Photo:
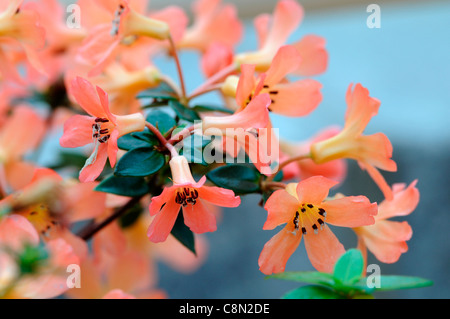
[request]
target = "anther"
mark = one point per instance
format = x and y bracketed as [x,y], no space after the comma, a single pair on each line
[296,220]
[104,131]
[304,230]
[273,92]
[316,230]
[101,120]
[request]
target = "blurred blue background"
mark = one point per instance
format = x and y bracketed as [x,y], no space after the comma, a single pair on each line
[405,64]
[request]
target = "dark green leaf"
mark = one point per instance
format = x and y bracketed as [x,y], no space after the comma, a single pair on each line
[142,161]
[312,292]
[193,148]
[240,178]
[162,120]
[124,186]
[131,216]
[349,267]
[309,277]
[183,234]
[184,112]
[70,159]
[211,108]
[136,140]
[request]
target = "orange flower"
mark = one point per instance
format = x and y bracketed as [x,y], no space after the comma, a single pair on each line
[20,32]
[188,195]
[100,127]
[21,133]
[214,23]
[305,211]
[371,151]
[386,239]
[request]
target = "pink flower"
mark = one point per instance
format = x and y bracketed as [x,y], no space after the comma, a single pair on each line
[249,129]
[370,151]
[122,26]
[386,239]
[101,127]
[274,31]
[214,22]
[305,211]
[19,31]
[188,195]
[22,132]
[297,98]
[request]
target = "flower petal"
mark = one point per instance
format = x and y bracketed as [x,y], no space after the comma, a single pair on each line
[314,189]
[313,54]
[284,62]
[277,251]
[219,196]
[77,131]
[281,206]
[403,203]
[351,211]
[199,219]
[163,222]
[323,249]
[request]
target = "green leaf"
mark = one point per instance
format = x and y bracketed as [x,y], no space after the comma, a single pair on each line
[388,283]
[183,234]
[163,92]
[349,267]
[309,277]
[184,112]
[142,161]
[312,292]
[136,140]
[124,186]
[161,120]
[211,108]
[240,178]
[193,148]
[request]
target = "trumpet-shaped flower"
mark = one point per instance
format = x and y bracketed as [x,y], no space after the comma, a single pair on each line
[188,195]
[306,212]
[296,98]
[20,31]
[214,22]
[370,151]
[101,127]
[120,25]
[305,168]
[386,239]
[273,32]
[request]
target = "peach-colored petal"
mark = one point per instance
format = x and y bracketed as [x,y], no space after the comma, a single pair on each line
[277,251]
[219,196]
[313,54]
[217,57]
[93,170]
[77,131]
[297,98]
[163,222]
[16,230]
[281,207]
[81,198]
[314,189]
[136,266]
[22,132]
[113,148]
[262,26]
[287,16]
[284,62]
[246,84]
[19,174]
[157,202]
[350,211]
[87,96]
[199,219]
[376,150]
[403,203]
[323,249]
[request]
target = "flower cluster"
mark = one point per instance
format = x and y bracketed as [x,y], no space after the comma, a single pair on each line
[128,183]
